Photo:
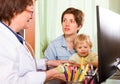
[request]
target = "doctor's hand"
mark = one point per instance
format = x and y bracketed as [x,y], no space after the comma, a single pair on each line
[55,63]
[54,73]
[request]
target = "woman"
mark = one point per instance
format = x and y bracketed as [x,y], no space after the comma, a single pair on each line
[62,48]
[17,66]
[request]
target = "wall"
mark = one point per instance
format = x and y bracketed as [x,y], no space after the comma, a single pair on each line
[48,13]
[30,35]
[114,5]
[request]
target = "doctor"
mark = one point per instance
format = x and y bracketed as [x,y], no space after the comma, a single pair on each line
[17,66]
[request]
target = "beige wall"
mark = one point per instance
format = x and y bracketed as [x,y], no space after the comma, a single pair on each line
[30,35]
[114,5]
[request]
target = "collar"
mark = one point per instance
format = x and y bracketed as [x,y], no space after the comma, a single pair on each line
[16,34]
[64,44]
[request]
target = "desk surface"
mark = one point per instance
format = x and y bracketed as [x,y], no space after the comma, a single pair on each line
[112,81]
[115,79]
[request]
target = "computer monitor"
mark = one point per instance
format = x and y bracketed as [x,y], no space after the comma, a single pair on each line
[108,29]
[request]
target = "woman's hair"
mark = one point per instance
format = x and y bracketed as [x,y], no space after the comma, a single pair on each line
[78,15]
[82,37]
[9,8]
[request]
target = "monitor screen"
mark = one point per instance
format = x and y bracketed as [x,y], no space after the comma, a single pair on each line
[108,29]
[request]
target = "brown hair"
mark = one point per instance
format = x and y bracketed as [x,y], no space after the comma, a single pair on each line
[78,15]
[8,8]
[82,37]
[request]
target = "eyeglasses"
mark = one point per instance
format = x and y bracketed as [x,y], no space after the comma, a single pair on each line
[29,12]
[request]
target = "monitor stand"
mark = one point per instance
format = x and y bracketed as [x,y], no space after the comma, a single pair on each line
[117,63]
[117,74]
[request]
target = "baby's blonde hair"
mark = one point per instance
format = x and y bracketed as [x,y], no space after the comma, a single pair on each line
[80,38]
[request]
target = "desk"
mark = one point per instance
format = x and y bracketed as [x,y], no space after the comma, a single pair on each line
[112,81]
[115,79]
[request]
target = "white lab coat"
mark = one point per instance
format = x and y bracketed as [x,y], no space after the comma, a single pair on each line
[17,66]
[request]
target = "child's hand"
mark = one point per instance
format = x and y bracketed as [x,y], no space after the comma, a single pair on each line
[72,64]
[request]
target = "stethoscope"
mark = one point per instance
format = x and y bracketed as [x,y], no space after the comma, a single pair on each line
[28,48]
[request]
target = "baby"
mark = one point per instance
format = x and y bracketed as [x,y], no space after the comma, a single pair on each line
[83,45]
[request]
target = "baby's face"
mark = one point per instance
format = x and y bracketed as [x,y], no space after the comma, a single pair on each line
[83,49]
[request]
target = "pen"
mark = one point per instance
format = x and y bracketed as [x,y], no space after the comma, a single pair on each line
[72,74]
[80,72]
[92,70]
[84,72]
[65,73]
[76,75]
[81,62]
[69,73]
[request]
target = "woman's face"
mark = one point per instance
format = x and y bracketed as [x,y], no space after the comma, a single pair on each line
[69,25]
[83,48]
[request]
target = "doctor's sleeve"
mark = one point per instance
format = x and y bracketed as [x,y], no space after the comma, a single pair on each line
[8,75]
[41,64]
